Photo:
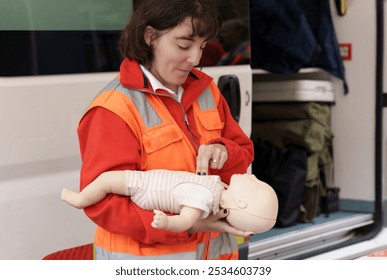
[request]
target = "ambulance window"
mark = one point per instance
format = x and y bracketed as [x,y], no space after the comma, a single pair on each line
[44,37]
[56,15]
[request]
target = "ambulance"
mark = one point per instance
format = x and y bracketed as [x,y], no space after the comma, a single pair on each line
[55,56]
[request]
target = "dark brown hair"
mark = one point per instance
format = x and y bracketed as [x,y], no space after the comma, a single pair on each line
[163,15]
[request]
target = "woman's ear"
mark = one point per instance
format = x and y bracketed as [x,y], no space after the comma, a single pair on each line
[149,35]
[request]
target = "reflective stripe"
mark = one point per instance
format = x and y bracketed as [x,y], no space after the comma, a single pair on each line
[200,249]
[112,85]
[102,254]
[206,100]
[146,110]
[224,244]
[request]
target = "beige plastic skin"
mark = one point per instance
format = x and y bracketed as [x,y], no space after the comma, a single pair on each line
[252,204]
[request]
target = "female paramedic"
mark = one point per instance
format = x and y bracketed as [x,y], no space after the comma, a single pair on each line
[162,113]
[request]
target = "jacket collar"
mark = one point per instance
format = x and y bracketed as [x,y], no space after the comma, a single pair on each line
[131,76]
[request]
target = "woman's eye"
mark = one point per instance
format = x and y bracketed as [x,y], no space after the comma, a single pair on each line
[183,47]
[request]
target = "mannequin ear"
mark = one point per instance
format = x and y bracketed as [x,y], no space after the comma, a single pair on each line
[149,35]
[242,204]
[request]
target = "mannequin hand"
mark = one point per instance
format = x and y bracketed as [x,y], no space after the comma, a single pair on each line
[210,156]
[217,223]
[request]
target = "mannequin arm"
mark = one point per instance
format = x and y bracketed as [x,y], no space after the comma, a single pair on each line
[108,182]
[185,220]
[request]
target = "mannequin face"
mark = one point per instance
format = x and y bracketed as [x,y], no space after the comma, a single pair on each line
[252,204]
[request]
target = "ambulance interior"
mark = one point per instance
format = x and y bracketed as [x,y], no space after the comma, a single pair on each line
[56,56]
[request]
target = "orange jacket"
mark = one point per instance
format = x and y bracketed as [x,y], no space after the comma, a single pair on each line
[118,133]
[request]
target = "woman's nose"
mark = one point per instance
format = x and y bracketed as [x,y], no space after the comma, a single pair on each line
[195,56]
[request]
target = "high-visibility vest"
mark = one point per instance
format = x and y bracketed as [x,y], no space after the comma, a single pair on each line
[163,146]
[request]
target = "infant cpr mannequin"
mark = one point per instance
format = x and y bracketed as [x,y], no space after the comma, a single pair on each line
[252,204]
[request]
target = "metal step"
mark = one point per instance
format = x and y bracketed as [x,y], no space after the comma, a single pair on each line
[297,242]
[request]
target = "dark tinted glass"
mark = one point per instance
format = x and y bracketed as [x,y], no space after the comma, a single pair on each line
[42,39]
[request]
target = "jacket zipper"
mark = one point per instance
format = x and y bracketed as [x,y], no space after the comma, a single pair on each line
[189,128]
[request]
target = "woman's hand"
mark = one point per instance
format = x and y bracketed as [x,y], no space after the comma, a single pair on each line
[217,223]
[211,156]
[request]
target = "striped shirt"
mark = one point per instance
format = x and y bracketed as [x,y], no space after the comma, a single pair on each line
[169,191]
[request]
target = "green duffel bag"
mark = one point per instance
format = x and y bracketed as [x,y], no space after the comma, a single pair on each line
[320,112]
[305,133]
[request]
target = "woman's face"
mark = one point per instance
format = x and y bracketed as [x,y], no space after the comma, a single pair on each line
[175,54]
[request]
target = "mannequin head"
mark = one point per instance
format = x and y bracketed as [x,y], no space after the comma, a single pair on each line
[252,204]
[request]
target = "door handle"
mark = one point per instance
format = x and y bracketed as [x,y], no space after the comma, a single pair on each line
[230,89]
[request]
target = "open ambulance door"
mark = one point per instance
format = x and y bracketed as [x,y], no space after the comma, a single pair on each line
[359,225]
